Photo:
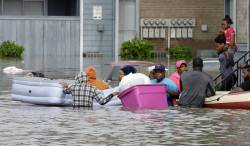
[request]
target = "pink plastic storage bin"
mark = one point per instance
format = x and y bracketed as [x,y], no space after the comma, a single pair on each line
[145,96]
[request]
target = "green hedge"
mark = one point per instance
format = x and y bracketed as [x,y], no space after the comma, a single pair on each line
[180,52]
[11,49]
[137,50]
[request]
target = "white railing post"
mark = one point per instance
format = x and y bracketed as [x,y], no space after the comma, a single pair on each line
[116,30]
[81,35]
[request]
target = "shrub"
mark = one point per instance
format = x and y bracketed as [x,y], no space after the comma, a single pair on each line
[11,49]
[180,52]
[137,50]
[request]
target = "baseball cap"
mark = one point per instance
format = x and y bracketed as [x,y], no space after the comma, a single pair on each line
[151,68]
[160,67]
[179,63]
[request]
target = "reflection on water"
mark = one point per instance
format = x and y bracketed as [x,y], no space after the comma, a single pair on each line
[26,124]
[5,80]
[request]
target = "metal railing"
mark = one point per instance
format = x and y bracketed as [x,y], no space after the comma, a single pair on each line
[237,71]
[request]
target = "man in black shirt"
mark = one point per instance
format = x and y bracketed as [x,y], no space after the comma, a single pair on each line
[245,86]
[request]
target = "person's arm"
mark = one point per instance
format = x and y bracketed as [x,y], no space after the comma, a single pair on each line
[229,59]
[173,91]
[244,86]
[236,90]
[106,85]
[174,94]
[99,97]
[210,91]
[243,65]
[181,85]
[66,88]
[232,43]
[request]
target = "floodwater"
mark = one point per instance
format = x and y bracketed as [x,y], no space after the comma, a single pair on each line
[27,124]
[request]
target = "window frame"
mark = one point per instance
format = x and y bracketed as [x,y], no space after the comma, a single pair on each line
[23,5]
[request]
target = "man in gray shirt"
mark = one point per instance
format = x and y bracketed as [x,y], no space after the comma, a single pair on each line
[226,59]
[196,85]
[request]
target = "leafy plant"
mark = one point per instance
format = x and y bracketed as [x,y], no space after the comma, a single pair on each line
[11,49]
[137,50]
[180,52]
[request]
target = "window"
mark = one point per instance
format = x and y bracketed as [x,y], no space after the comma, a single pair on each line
[40,7]
[33,8]
[66,7]
[12,7]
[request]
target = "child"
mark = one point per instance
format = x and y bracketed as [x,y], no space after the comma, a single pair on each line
[181,66]
[229,34]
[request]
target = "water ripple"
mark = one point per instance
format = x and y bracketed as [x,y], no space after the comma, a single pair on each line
[26,124]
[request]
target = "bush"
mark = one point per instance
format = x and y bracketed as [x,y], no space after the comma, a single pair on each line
[11,49]
[137,50]
[180,52]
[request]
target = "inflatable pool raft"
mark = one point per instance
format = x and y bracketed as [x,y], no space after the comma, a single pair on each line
[224,100]
[43,91]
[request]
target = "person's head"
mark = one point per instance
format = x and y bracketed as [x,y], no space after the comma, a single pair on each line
[226,22]
[151,75]
[220,42]
[90,72]
[35,74]
[246,72]
[181,66]
[81,78]
[159,71]
[197,64]
[125,71]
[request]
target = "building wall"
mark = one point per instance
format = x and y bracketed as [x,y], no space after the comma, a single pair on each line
[208,12]
[99,34]
[39,7]
[49,38]
[60,35]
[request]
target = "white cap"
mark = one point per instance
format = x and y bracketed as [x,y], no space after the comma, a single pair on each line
[151,68]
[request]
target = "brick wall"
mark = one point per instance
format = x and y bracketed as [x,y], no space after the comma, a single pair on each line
[208,12]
